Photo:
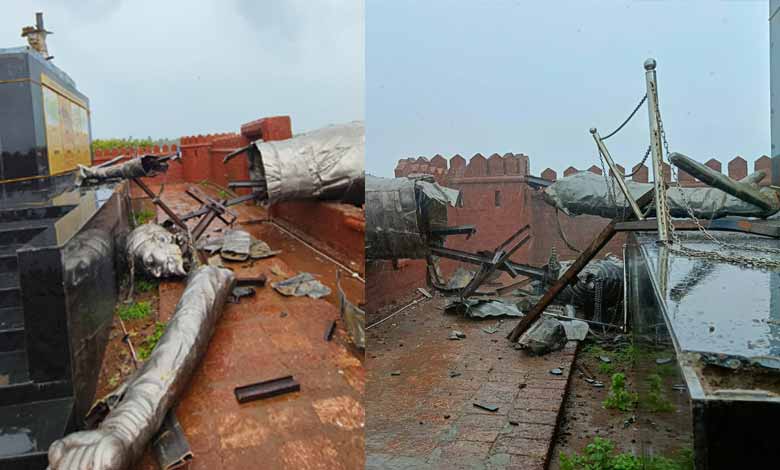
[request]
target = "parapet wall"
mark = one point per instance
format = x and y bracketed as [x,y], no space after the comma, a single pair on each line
[518,165]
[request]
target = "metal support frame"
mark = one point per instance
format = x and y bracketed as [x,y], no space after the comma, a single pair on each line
[497,258]
[661,207]
[214,209]
[158,202]
[570,275]
[617,176]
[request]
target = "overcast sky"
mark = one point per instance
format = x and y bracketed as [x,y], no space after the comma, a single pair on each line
[532,77]
[179,67]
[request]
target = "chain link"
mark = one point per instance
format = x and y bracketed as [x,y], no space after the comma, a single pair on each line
[676,245]
[641,102]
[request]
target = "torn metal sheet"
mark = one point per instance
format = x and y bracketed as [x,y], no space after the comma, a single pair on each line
[155,251]
[587,193]
[483,308]
[576,330]
[402,213]
[152,391]
[354,318]
[545,335]
[260,249]
[170,446]
[146,165]
[303,284]
[236,245]
[460,278]
[210,245]
[323,164]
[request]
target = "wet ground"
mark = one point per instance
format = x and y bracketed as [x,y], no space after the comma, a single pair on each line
[265,337]
[639,432]
[422,388]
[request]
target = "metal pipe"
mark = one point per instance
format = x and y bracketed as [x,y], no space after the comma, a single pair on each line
[617,176]
[661,208]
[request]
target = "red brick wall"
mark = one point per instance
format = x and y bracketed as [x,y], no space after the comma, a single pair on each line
[479,178]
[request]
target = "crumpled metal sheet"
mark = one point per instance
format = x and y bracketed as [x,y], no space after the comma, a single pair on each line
[134,168]
[236,245]
[545,335]
[155,250]
[303,284]
[260,249]
[586,193]
[607,272]
[147,396]
[484,308]
[460,278]
[401,212]
[354,318]
[327,163]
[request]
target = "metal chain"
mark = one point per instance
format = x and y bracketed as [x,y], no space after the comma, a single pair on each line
[676,246]
[641,102]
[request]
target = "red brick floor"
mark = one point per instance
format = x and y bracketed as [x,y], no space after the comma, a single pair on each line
[425,417]
[264,337]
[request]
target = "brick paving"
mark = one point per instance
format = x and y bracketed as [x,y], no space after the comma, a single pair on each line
[424,416]
[265,337]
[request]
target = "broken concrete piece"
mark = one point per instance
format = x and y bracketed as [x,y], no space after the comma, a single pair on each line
[544,336]
[236,245]
[301,285]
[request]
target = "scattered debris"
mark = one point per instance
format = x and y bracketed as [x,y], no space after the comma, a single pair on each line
[460,278]
[240,291]
[454,374]
[303,284]
[354,318]
[260,249]
[483,308]
[266,389]
[663,360]
[330,330]
[486,407]
[236,245]
[544,336]
[258,280]
[605,359]
[490,330]
[215,261]
[576,330]
[170,446]
[556,371]
[456,335]
[424,292]
[395,373]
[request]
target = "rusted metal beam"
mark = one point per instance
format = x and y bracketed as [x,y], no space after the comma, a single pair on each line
[472,258]
[267,389]
[158,202]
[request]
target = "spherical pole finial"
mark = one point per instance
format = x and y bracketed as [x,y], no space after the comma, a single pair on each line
[592,130]
[650,64]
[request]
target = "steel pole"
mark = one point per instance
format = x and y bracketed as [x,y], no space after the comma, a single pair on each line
[656,150]
[615,174]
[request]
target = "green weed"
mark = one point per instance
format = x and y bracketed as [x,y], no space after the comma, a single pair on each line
[144,216]
[619,398]
[135,310]
[656,400]
[145,285]
[145,350]
[600,455]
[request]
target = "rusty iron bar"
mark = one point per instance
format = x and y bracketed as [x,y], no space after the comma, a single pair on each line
[474,258]
[266,389]
[331,329]
[258,280]
[570,275]
[158,202]
[499,258]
